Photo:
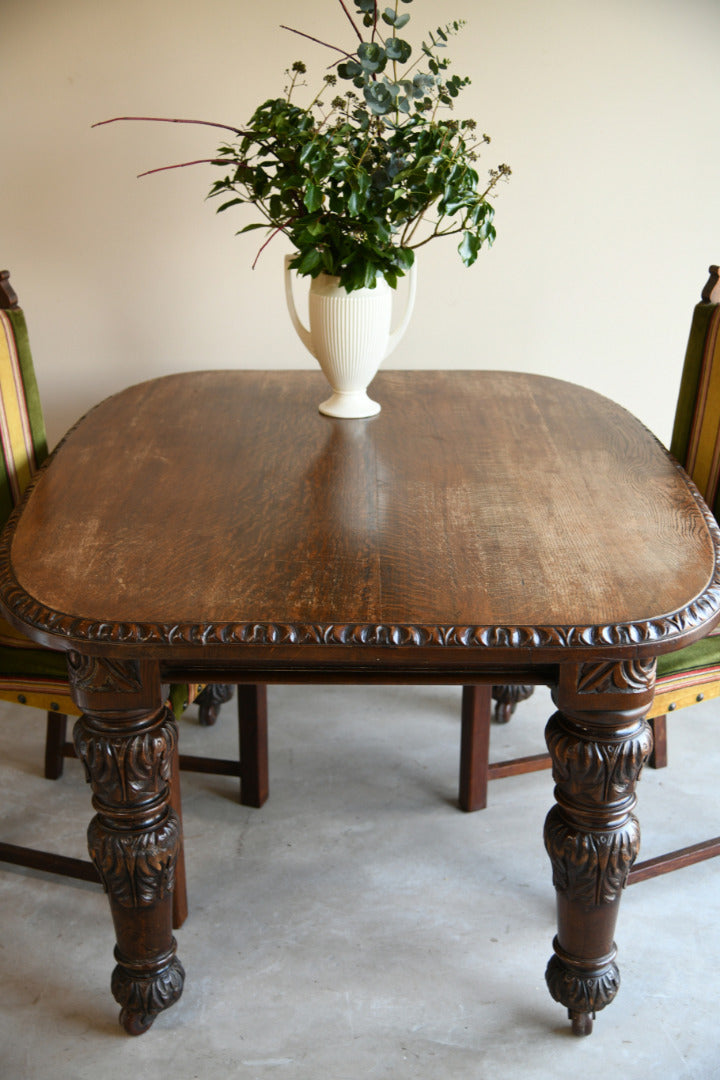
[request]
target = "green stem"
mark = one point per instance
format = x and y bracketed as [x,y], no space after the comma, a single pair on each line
[433,235]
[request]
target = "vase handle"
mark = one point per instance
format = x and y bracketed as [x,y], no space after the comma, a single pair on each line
[410,303]
[302,333]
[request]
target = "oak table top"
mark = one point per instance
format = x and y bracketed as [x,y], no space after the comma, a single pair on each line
[480,511]
[483,525]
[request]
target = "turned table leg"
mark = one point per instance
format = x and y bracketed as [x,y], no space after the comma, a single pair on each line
[592,836]
[135,837]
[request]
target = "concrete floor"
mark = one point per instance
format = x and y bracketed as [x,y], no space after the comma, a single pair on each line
[359,925]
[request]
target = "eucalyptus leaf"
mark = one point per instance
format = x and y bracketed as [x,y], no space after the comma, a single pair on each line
[378,98]
[349,69]
[372,56]
[397,49]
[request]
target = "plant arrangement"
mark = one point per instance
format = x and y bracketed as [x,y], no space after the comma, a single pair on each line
[373,167]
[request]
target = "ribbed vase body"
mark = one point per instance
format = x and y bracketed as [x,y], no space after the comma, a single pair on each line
[349,336]
[350,332]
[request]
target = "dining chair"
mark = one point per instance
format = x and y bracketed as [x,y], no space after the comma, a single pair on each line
[37,677]
[686,677]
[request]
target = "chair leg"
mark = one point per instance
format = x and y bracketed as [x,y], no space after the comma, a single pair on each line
[474,747]
[659,758]
[209,700]
[507,699]
[252,730]
[55,737]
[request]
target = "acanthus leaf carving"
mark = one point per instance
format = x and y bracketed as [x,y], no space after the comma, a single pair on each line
[599,770]
[124,766]
[590,866]
[579,992]
[136,867]
[142,997]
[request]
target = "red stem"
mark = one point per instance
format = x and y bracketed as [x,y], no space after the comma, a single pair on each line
[352,21]
[170,120]
[317,41]
[184,164]
[280,228]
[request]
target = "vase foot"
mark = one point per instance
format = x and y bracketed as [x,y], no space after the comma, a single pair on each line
[349,405]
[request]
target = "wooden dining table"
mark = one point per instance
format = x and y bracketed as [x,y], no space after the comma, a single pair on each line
[485,527]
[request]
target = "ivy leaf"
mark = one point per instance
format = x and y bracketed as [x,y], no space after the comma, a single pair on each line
[231,202]
[469,248]
[313,197]
[309,260]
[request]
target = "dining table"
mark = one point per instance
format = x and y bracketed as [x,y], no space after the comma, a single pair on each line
[486,527]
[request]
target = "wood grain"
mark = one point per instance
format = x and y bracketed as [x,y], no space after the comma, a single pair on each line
[475,499]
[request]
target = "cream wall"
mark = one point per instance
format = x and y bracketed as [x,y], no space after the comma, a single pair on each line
[606,110]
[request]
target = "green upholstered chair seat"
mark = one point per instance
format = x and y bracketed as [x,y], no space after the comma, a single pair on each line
[702,656]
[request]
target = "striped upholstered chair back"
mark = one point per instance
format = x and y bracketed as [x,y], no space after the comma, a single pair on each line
[22,428]
[696,432]
[29,674]
[693,674]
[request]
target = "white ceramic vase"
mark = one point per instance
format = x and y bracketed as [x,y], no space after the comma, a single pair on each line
[349,336]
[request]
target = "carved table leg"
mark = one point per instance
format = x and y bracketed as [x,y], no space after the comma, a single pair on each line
[135,837]
[591,835]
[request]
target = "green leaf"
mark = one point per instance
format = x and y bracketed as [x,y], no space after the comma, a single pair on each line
[231,202]
[307,152]
[397,49]
[405,257]
[469,248]
[349,69]
[313,197]
[309,260]
[250,228]
[378,98]
[372,56]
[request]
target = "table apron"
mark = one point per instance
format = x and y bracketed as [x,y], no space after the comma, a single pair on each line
[374,675]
